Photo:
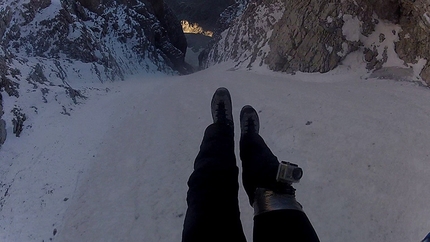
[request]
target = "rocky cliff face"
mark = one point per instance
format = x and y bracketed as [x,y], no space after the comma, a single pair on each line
[54,47]
[244,29]
[414,39]
[316,36]
[50,29]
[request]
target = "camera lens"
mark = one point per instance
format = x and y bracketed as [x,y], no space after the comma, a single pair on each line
[297,173]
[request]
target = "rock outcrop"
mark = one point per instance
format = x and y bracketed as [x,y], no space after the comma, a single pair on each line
[316,36]
[308,37]
[2,123]
[414,39]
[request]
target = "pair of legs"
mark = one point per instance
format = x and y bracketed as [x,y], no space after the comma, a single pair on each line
[213,210]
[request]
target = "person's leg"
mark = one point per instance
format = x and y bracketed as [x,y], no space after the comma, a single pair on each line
[213,210]
[278,216]
[259,164]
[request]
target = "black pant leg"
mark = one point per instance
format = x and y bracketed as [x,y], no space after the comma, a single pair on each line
[213,210]
[284,226]
[259,164]
[260,168]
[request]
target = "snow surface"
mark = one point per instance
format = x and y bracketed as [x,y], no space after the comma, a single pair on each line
[351,28]
[116,168]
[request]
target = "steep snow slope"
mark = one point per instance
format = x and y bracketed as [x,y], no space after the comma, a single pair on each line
[116,169]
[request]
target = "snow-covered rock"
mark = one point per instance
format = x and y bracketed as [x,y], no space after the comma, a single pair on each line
[316,36]
[230,14]
[247,37]
[54,48]
[414,39]
[287,36]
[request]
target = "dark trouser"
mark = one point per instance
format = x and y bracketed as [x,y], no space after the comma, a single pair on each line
[284,225]
[213,210]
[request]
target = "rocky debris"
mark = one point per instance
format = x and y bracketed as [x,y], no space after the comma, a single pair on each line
[316,36]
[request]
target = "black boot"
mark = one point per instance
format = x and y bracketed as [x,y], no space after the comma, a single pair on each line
[221,107]
[249,122]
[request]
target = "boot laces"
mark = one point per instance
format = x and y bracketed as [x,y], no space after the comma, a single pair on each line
[221,112]
[250,125]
